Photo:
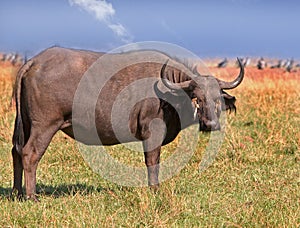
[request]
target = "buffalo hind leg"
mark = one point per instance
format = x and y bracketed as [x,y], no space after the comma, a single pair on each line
[40,137]
[152,158]
[18,172]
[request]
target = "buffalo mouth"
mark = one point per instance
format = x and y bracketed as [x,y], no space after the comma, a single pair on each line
[209,125]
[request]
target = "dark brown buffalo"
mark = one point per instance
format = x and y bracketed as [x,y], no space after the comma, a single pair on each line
[45,90]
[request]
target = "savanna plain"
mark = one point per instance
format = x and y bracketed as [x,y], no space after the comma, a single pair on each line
[253,182]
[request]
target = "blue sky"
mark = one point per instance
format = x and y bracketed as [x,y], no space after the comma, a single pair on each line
[211,28]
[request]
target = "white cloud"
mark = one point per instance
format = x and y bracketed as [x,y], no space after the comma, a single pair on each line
[104,12]
[118,29]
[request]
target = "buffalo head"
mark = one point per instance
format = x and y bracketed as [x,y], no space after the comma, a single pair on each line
[206,91]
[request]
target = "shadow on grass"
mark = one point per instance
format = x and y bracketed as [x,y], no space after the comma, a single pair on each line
[62,190]
[67,190]
[4,192]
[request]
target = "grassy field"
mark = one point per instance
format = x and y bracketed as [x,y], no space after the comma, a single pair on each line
[254,182]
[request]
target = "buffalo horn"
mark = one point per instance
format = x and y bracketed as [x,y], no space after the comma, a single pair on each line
[173,86]
[235,82]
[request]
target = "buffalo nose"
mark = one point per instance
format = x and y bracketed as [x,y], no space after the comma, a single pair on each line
[212,125]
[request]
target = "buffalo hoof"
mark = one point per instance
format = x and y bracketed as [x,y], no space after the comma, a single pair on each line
[16,195]
[33,198]
[154,188]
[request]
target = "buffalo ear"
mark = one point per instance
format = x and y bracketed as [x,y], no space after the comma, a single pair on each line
[229,102]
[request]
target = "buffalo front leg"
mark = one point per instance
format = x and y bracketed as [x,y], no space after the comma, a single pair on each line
[152,158]
[18,173]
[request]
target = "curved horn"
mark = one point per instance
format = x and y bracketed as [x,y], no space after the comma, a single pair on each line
[235,82]
[173,86]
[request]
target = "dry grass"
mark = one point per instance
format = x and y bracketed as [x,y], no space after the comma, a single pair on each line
[254,181]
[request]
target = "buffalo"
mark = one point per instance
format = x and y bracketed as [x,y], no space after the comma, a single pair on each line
[46,86]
